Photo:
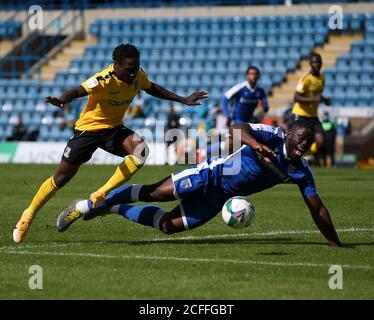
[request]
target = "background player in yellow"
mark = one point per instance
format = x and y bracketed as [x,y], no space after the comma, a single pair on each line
[100,125]
[307,98]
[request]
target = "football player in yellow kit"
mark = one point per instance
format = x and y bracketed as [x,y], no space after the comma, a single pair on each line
[307,98]
[100,125]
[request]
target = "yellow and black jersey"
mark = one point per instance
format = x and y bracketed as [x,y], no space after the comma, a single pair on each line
[108,99]
[309,86]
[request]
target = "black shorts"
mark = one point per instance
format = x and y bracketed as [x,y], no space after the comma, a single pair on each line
[314,120]
[83,144]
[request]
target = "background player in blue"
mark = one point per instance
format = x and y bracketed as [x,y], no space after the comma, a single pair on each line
[267,157]
[240,102]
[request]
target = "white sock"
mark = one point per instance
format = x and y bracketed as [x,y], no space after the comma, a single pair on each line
[115,209]
[82,206]
[135,190]
[157,218]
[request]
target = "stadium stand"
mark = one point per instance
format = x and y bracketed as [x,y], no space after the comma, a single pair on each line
[88,4]
[351,82]
[209,53]
[10,30]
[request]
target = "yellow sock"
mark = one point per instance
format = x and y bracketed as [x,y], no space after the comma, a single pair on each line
[314,148]
[123,173]
[46,191]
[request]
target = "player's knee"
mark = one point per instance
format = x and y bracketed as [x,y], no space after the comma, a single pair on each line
[64,173]
[164,229]
[61,179]
[167,227]
[145,193]
[319,140]
[150,193]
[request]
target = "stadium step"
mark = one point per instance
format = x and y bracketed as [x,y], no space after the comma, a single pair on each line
[61,61]
[336,45]
[5,47]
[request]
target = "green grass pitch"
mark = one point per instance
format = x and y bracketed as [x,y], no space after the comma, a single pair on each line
[280,256]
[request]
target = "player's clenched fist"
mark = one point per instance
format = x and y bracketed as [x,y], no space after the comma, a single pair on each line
[264,151]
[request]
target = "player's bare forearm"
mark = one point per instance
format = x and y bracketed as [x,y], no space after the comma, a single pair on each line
[264,104]
[67,96]
[246,136]
[72,94]
[322,219]
[162,93]
[248,139]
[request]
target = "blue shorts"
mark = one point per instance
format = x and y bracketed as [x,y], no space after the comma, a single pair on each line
[196,204]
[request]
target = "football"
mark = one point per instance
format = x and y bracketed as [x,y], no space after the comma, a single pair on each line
[238,212]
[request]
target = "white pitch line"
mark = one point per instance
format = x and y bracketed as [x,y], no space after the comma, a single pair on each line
[269,233]
[211,236]
[184,259]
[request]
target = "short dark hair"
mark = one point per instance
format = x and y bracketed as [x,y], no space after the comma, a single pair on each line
[124,51]
[315,54]
[253,68]
[302,124]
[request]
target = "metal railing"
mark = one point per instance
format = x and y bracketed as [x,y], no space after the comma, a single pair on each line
[94,4]
[35,70]
[40,45]
[13,17]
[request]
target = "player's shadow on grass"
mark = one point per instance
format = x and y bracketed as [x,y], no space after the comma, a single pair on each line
[272,254]
[350,179]
[254,241]
[215,241]
[211,241]
[178,241]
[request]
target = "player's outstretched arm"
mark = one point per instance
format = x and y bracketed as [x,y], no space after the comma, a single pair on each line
[161,93]
[67,97]
[322,219]
[264,102]
[246,137]
[225,108]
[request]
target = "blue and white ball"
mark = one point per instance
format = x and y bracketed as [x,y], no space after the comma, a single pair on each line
[238,212]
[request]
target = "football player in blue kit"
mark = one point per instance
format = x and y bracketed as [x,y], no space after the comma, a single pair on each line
[244,98]
[267,157]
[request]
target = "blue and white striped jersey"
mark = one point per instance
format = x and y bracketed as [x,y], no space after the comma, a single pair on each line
[244,101]
[245,172]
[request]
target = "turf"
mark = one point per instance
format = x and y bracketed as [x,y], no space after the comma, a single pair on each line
[112,258]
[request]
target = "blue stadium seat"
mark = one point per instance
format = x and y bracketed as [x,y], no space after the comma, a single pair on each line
[10,29]
[3,118]
[185,54]
[366,79]
[356,22]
